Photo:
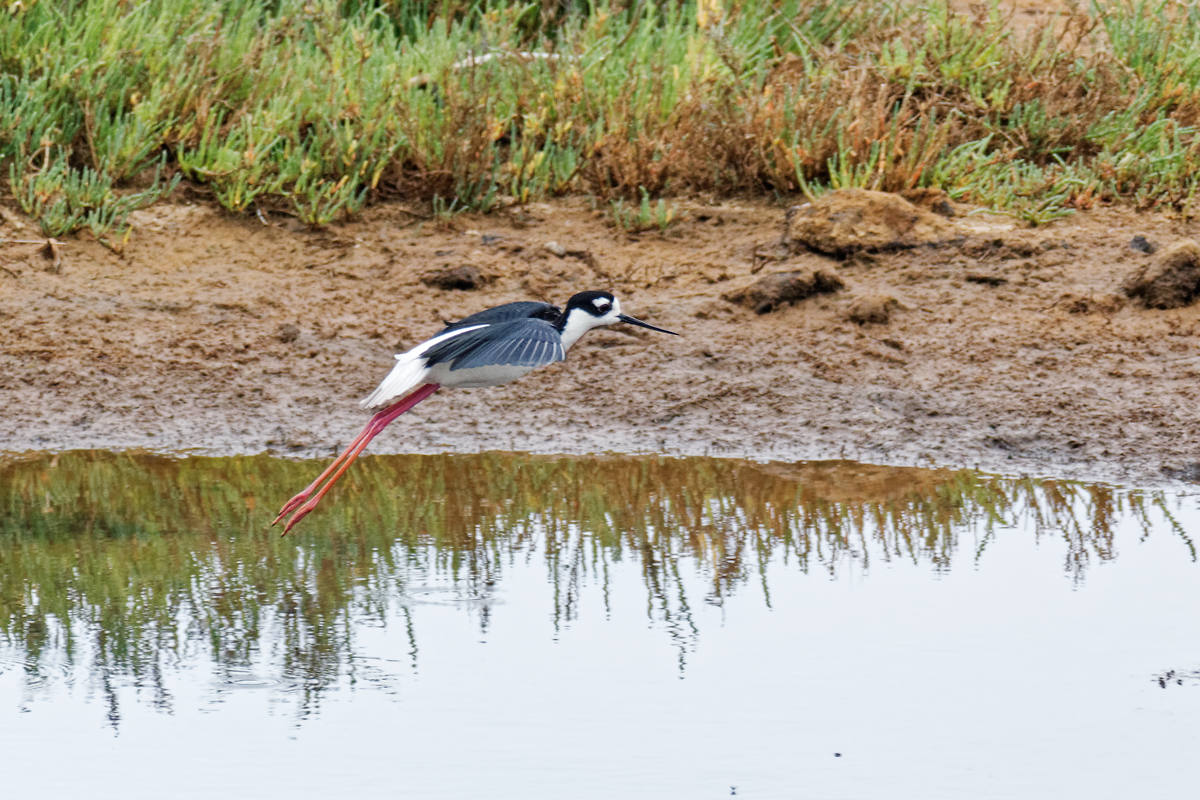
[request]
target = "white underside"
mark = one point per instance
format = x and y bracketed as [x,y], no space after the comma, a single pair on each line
[476,376]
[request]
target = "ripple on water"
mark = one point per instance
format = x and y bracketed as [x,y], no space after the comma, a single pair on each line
[37,673]
[238,680]
[447,596]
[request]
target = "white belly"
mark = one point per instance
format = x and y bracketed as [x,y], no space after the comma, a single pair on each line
[475,376]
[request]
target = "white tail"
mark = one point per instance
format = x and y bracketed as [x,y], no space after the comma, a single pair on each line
[409,373]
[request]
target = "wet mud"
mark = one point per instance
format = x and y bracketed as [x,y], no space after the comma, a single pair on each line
[1010,348]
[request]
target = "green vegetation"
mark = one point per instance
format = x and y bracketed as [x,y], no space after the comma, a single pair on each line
[645,216]
[315,107]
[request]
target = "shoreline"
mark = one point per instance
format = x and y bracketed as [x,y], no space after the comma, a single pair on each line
[214,334]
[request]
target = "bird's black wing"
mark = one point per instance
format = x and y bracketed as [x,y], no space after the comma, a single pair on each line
[520,343]
[522,309]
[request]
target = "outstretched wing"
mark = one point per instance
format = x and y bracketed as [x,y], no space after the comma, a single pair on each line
[522,309]
[520,343]
[514,334]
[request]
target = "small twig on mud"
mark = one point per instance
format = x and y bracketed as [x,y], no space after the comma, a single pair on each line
[416,214]
[10,272]
[54,242]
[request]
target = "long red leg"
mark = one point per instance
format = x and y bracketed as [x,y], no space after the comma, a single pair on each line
[312,487]
[301,502]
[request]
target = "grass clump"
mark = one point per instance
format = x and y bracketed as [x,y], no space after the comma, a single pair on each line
[644,216]
[316,107]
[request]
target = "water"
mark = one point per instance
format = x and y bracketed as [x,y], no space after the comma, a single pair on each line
[516,626]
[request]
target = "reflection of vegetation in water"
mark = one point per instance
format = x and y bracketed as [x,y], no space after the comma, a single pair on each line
[139,562]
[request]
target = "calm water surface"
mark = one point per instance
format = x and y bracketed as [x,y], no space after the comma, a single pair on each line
[516,626]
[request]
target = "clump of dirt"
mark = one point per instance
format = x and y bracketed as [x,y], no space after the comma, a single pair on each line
[1075,303]
[464,278]
[851,220]
[785,288]
[1171,280]
[1012,245]
[195,340]
[875,309]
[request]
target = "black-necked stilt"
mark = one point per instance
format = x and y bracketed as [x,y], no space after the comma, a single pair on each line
[495,346]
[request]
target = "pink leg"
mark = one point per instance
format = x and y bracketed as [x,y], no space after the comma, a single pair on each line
[312,487]
[335,470]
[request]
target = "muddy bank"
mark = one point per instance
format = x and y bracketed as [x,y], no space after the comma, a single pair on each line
[1010,349]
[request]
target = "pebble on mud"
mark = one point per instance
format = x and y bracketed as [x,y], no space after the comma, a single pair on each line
[1171,280]
[778,288]
[287,333]
[852,220]
[463,278]
[1142,245]
[875,309]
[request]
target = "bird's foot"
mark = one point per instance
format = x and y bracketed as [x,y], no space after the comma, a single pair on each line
[305,502]
[300,514]
[291,505]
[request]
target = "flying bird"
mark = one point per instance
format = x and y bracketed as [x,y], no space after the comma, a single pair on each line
[495,346]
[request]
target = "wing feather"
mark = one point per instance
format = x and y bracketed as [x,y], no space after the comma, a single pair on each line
[525,342]
[522,309]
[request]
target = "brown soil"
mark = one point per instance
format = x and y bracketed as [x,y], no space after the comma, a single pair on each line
[1011,349]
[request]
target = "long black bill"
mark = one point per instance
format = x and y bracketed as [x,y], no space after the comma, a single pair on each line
[634,321]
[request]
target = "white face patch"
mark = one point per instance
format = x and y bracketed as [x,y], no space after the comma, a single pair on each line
[581,320]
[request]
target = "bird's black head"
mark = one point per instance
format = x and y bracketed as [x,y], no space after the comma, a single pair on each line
[588,310]
[597,304]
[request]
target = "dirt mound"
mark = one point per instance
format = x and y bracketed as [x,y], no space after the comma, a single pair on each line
[1171,280]
[853,220]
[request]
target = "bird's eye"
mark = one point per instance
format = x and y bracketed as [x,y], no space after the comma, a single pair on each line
[602,305]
